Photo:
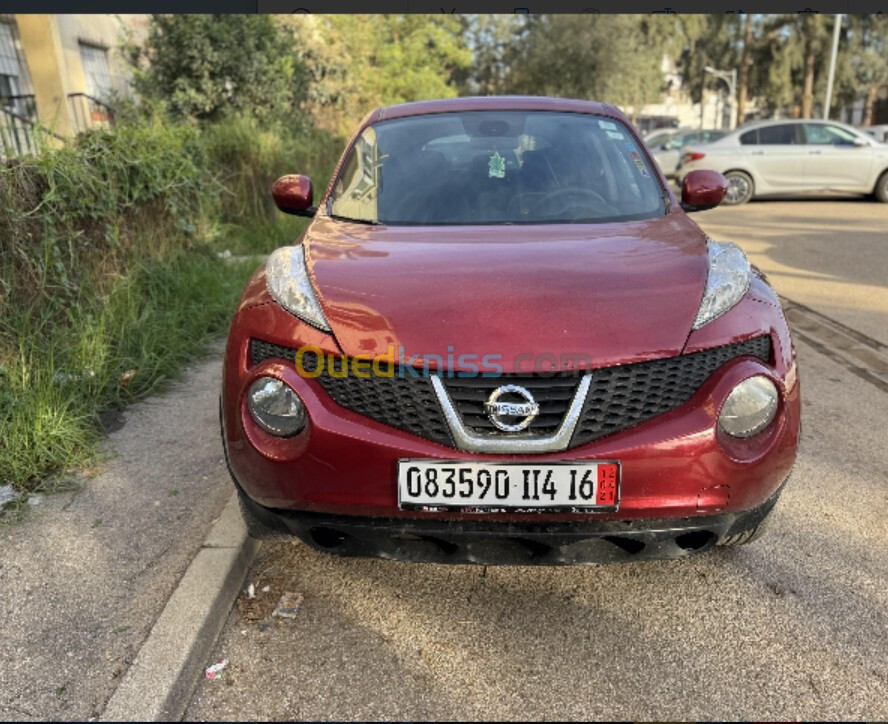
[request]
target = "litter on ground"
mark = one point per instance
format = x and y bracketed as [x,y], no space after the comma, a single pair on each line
[289,605]
[213,671]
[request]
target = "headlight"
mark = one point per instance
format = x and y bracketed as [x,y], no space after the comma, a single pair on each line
[275,407]
[287,279]
[726,282]
[750,407]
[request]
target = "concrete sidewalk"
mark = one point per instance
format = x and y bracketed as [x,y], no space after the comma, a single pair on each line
[86,577]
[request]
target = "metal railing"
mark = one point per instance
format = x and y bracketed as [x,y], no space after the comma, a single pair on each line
[18,135]
[89,113]
[24,106]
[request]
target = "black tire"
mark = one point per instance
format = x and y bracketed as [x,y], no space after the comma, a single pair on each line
[255,527]
[881,190]
[740,188]
[747,536]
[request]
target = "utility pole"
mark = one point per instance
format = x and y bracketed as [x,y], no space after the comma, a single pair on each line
[832,67]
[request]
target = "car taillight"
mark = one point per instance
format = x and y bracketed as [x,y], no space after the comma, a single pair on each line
[692,156]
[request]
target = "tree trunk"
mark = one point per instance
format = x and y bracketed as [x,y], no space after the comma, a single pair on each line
[743,75]
[869,106]
[808,87]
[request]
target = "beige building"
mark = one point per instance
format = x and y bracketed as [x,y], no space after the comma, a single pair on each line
[61,74]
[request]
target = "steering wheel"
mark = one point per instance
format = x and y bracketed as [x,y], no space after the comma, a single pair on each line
[574,197]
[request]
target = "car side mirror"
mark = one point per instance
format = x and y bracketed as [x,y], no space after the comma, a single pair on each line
[293,194]
[860,142]
[702,190]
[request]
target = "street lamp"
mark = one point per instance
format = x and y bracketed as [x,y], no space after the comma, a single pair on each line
[729,77]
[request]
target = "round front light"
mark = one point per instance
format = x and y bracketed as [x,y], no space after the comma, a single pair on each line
[275,407]
[750,407]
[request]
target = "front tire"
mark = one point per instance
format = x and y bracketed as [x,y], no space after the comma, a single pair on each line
[740,188]
[881,190]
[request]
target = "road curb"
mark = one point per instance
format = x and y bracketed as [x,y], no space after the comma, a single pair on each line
[162,678]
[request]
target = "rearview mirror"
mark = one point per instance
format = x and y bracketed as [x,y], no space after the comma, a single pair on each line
[703,190]
[293,194]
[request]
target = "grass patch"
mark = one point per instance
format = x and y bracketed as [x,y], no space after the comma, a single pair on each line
[116,348]
[261,236]
[110,276]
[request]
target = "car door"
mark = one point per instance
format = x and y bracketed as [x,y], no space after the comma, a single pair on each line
[777,157]
[834,161]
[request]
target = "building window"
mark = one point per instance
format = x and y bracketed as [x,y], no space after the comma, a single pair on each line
[96,70]
[14,83]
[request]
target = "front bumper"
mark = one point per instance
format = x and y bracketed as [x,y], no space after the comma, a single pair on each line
[491,543]
[674,466]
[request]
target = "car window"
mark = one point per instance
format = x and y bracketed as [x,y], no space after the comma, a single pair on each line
[819,134]
[658,139]
[783,134]
[750,138]
[496,167]
[688,139]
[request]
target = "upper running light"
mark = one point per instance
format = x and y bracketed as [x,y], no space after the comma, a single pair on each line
[726,283]
[287,279]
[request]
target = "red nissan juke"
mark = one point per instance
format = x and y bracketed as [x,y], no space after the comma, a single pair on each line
[502,341]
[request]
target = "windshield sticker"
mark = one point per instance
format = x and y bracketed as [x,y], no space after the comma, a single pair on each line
[496,168]
[607,125]
[616,135]
[639,163]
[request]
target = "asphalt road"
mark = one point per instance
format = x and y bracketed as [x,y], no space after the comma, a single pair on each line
[794,626]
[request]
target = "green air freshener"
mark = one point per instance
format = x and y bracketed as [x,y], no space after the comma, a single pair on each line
[496,168]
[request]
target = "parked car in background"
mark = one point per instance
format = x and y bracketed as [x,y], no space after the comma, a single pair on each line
[789,157]
[503,340]
[880,133]
[649,124]
[667,147]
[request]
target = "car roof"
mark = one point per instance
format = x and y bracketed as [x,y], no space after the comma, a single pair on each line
[492,103]
[786,121]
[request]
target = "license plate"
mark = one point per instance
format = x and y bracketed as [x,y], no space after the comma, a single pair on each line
[446,485]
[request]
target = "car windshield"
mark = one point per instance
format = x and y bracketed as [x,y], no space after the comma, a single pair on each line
[496,167]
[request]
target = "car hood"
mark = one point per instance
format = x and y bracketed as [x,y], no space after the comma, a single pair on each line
[535,297]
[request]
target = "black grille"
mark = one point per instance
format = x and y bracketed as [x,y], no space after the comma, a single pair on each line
[552,393]
[408,403]
[619,397]
[623,396]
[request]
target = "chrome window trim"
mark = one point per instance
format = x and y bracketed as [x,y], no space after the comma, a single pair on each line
[518,443]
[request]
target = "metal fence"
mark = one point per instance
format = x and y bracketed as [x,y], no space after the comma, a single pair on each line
[89,113]
[18,125]
[21,132]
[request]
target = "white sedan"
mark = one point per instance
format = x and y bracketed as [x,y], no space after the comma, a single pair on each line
[788,157]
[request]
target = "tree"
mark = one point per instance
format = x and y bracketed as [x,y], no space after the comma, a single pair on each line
[745,63]
[721,41]
[359,62]
[202,66]
[494,41]
[862,65]
[613,58]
